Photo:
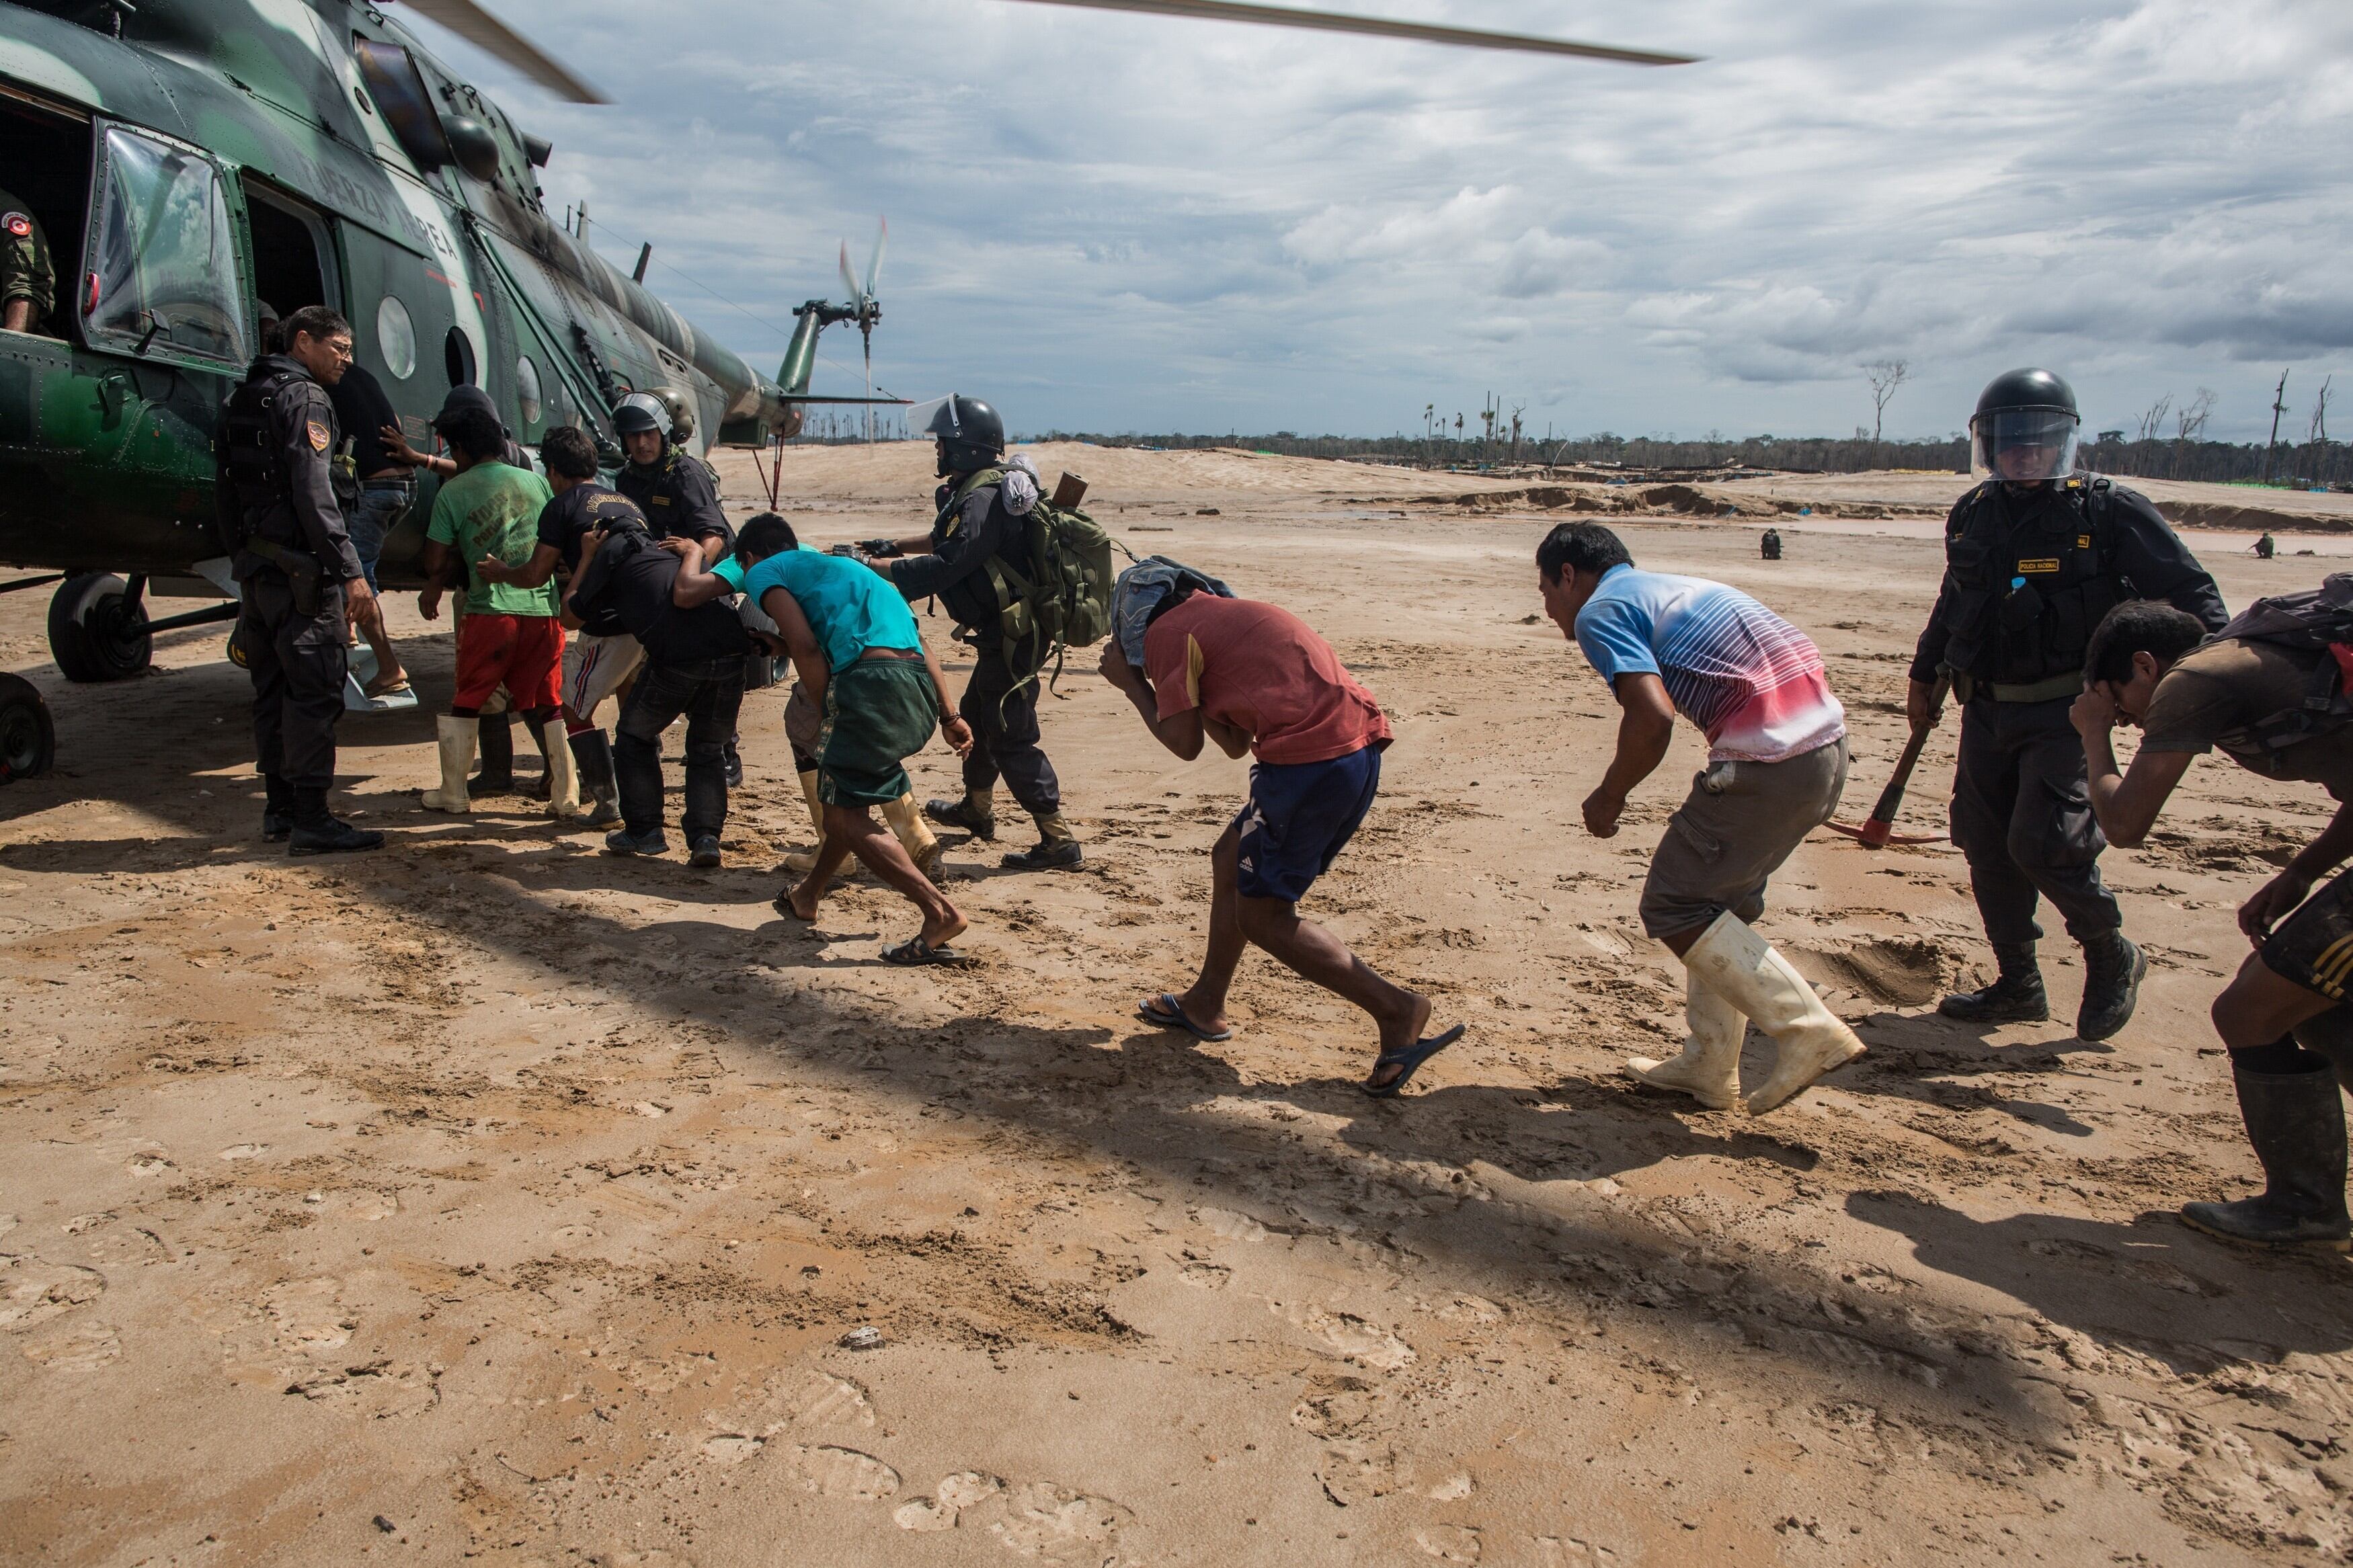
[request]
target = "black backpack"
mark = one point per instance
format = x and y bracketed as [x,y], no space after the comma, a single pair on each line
[2317,626]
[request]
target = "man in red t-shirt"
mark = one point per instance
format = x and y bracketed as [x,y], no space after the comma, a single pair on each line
[1254,678]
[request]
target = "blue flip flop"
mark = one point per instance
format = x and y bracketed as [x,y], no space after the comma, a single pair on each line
[1409,1058]
[1163,1013]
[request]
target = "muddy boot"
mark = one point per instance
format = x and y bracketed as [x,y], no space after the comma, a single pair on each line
[976,814]
[2113,968]
[2297,1123]
[317,832]
[1708,1069]
[277,808]
[592,760]
[915,836]
[1058,848]
[544,789]
[497,743]
[2016,998]
[457,738]
[1809,1039]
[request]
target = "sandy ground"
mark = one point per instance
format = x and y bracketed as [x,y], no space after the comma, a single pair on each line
[488,1199]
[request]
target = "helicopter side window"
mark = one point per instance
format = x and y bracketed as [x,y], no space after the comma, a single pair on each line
[458,358]
[396,338]
[527,389]
[162,269]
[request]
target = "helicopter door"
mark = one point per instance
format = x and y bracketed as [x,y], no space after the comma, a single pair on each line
[163,282]
[293,253]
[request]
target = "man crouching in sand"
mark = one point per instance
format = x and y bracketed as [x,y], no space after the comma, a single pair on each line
[862,660]
[1777,764]
[1199,664]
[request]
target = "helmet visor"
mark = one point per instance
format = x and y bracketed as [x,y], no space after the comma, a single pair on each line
[2024,445]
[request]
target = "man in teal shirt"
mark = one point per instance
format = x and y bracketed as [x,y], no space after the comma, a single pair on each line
[861,658]
[839,594]
[507,634]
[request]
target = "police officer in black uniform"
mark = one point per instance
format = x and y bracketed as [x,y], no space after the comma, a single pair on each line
[679,493]
[2033,557]
[975,539]
[296,569]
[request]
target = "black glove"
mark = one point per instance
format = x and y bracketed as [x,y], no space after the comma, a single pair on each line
[880,549]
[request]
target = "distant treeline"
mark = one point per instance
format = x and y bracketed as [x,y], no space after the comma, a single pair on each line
[2325,462]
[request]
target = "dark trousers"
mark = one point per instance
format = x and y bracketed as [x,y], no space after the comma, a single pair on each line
[709,694]
[1004,730]
[2023,816]
[297,664]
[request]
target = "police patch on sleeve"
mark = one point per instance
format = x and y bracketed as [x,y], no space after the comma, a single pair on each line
[18,224]
[319,436]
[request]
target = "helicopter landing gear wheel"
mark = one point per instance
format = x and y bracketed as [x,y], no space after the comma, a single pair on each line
[29,739]
[98,628]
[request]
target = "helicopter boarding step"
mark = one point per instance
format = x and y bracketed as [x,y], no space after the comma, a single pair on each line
[361,661]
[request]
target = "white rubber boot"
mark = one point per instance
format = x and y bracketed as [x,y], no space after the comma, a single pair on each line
[1709,1068]
[455,737]
[563,778]
[1810,1040]
[915,835]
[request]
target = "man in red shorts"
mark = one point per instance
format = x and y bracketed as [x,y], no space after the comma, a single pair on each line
[1252,677]
[508,635]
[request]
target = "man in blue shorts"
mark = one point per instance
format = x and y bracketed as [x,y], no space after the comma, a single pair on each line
[861,657]
[1201,665]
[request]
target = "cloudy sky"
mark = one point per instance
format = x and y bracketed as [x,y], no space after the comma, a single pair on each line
[1111,221]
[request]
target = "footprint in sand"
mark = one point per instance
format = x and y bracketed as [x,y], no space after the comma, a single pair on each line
[836,1472]
[1206,1275]
[1448,1543]
[812,1398]
[78,1350]
[32,1291]
[1039,1519]
[731,1447]
[308,1316]
[243,1151]
[1347,1335]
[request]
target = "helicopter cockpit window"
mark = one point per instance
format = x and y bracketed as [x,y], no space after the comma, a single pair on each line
[396,338]
[164,262]
[527,389]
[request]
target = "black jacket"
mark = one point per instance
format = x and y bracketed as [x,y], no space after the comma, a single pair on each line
[2028,576]
[299,510]
[967,534]
[679,496]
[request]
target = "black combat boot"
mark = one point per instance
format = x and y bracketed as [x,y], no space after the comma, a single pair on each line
[277,808]
[317,832]
[2016,998]
[1058,848]
[496,748]
[973,818]
[592,755]
[2113,968]
[2297,1123]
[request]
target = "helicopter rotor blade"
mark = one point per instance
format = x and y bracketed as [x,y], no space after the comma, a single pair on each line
[1376,27]
[487,33]
[874,262]
[849,278]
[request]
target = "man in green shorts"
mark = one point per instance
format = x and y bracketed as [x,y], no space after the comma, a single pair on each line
[861,657]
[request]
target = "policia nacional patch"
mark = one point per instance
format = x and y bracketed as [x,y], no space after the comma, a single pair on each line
[319,436]
[17,224]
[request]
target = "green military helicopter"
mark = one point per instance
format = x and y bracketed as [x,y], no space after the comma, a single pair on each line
[193,160]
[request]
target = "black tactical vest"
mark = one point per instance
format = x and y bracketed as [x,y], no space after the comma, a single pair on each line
[2029,590]
[246,449]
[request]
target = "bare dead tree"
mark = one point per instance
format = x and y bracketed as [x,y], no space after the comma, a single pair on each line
[1884,376]
[2154,420]
[2190,422]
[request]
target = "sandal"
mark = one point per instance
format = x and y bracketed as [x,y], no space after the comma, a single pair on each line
[1163,1013]
[400,688]
[1409,1058]
[915,952]
[783,904]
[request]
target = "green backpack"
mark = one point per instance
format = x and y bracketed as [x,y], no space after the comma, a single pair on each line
[1064,598]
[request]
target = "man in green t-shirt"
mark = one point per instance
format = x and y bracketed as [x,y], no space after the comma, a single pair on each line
[507,635]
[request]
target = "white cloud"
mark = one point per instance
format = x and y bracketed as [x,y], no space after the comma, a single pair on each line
[1127,222]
